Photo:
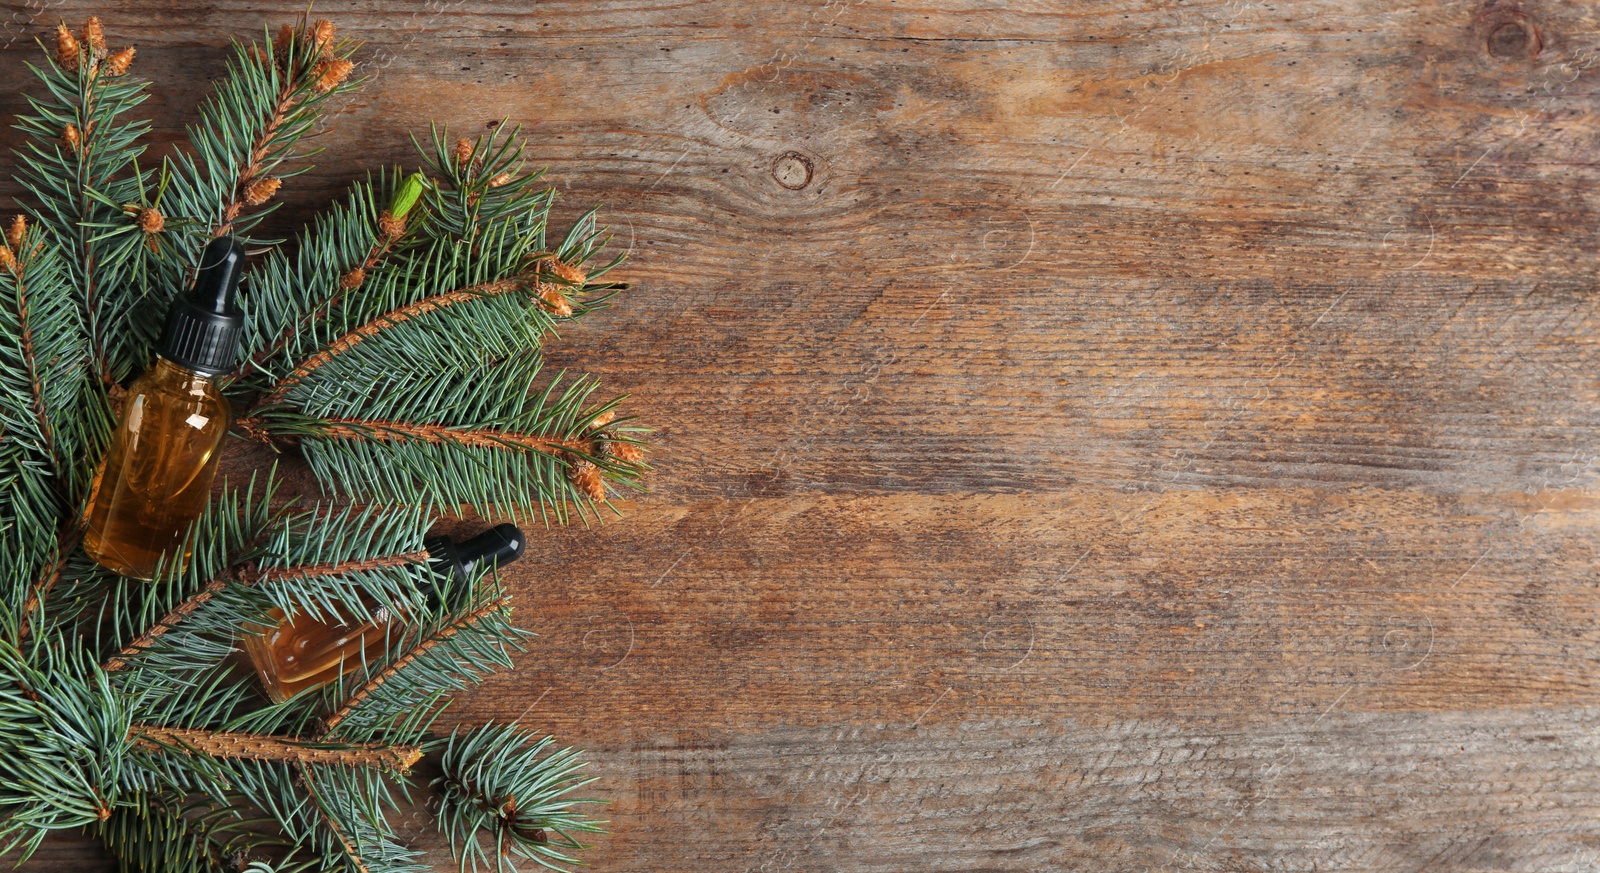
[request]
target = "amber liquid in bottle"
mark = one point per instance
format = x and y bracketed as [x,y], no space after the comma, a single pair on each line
[157,475]
[291,656]
[295,654]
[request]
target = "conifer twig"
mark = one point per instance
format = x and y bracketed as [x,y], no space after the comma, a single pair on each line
[240,194]
[381,323]
[248,577]
[234,569]
[332,722]
[167,622]
[83,149]
[376,430]
[548,293]
[265,747]
[300,80]
[349,281]
[338,832]
[29,359]
[335,568]
[50,577]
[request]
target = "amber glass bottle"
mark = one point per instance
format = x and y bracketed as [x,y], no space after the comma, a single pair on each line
[157,473]
[300,653]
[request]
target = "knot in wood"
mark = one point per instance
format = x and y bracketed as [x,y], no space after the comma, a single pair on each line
[793,170]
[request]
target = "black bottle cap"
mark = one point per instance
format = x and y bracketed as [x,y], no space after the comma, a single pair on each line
[203,326]
[456,563]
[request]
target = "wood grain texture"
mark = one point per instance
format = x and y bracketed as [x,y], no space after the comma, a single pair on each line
[1104,436]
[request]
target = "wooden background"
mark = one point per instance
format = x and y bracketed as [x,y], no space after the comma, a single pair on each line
[1093,436]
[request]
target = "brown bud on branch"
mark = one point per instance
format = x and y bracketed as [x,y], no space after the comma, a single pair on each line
[16,233]
[391,227]
[150,220]
[553,300]
[585,476]
[261,190]
[322,35]
[67,53]
[626,452]
[118,63]
[94,36]
[331,73]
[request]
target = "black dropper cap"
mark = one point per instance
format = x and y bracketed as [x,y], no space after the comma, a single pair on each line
[203,326]
[456,563]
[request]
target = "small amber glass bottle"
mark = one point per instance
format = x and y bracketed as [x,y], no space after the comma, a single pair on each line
[303,652]
[156,476]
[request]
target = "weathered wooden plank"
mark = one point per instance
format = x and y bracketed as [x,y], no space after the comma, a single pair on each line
[1031,794]
[1103,436]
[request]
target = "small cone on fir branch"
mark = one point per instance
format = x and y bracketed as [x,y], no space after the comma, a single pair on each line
[331,73]
[8,261]
[67,53]
[94,36]
[463,152]
[118,63]
[16,232]
[499,180]
[353,279]
[586,476]
[70,137]
[284,40]
[261,190]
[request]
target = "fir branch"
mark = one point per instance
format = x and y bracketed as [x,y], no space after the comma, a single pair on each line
[156,836]
[162,831]
[62,755]
[30,363]
[493,475]
[166,623]
[272,98]
[504,788]
[481,184]
[410,656]
[51,418]
[377,325]
[77,165]
[336,256]
[340,568]
[49,577]
[401,431]
[349,849]
[493,441]
[259,747]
